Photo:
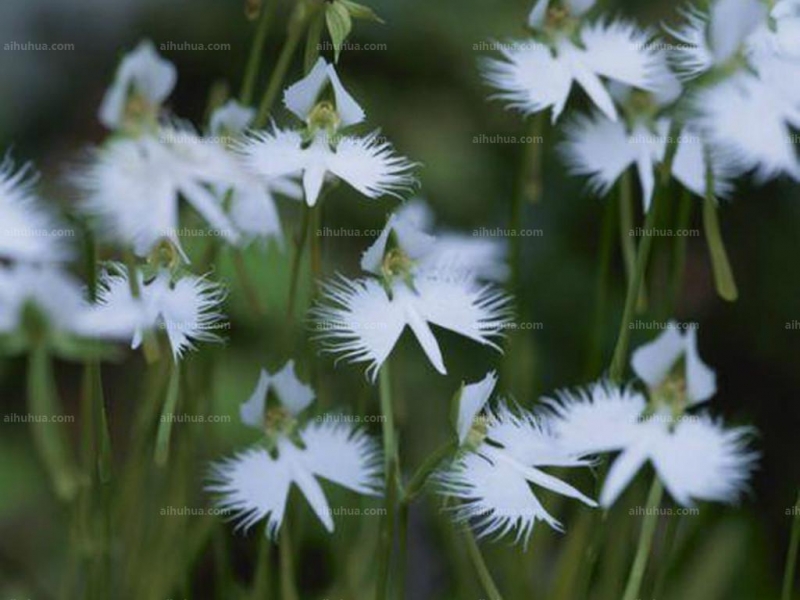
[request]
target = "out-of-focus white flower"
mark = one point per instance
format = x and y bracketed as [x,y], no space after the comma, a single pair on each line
[255,484]
[134,185]
[368,163]
[576,8]
[481,257]
[56,296]
[695,457]
[503,453]
[362,320]
[655,361]
[250,203]
[142,82]
[28,232]
[187,309]
[532,76]
[603,150]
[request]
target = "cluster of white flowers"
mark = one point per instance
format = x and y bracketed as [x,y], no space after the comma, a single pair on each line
[724,94]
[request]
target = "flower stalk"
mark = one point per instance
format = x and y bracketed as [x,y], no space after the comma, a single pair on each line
[791,555]
[646,536]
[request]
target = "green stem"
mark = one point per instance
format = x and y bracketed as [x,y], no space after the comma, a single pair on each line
[297,261]
[391,474]
[312,41]
[254,60]
[420,478]
[288,588]
[48,434]
[297,25]
[247,284]
[595,348]
[164,432]
[791,555]
[723,274]
[646,536]
[261,589]
[679,257]
[481,570]
[149,342]
[627,239]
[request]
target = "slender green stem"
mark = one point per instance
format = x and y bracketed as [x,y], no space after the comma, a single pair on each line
[248,287]
[256,51]
[288,586]
[297,26]
[391,474]
[316,241]
[723,274]
[679,256]
[261,588]
[481,570]
[646,536]
[791,555]
[298,260]
[604,267]
[668,544]
[164,432]
[626,237]
[48,433]
[426,469]
[312,41]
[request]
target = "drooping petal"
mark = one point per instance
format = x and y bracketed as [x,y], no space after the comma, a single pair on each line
[702,460]
[622,472]
[420,327]
[293,394]
[701,380]
[575,61]
[371,166]
[252,412]
[350,112]
[358,320]
[253,486]
[301,97]
[653,361]
[338,452]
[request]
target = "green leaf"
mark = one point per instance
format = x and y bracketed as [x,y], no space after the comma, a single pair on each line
[359,11]
[339,25]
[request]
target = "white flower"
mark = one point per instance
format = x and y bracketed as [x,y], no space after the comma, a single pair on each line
[695,457]
[362,322]
[55,294]
[367,163]
[255,484]
[26,228]
[294,395]
[532,76]
[653,362]
[142,77]
[187,309]
[231,118]
[134,185]
[603,150]
[494,474]
[482,257]
[576,8]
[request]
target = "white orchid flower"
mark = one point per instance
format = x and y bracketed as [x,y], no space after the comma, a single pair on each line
[655,361]
[255,484]
[187,309]
[532,76]
[494,477]
[695,457]
[28,232]
[134,186]
[142,82]
[367,163]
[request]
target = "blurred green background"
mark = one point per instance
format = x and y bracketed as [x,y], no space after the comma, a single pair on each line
[425,92]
